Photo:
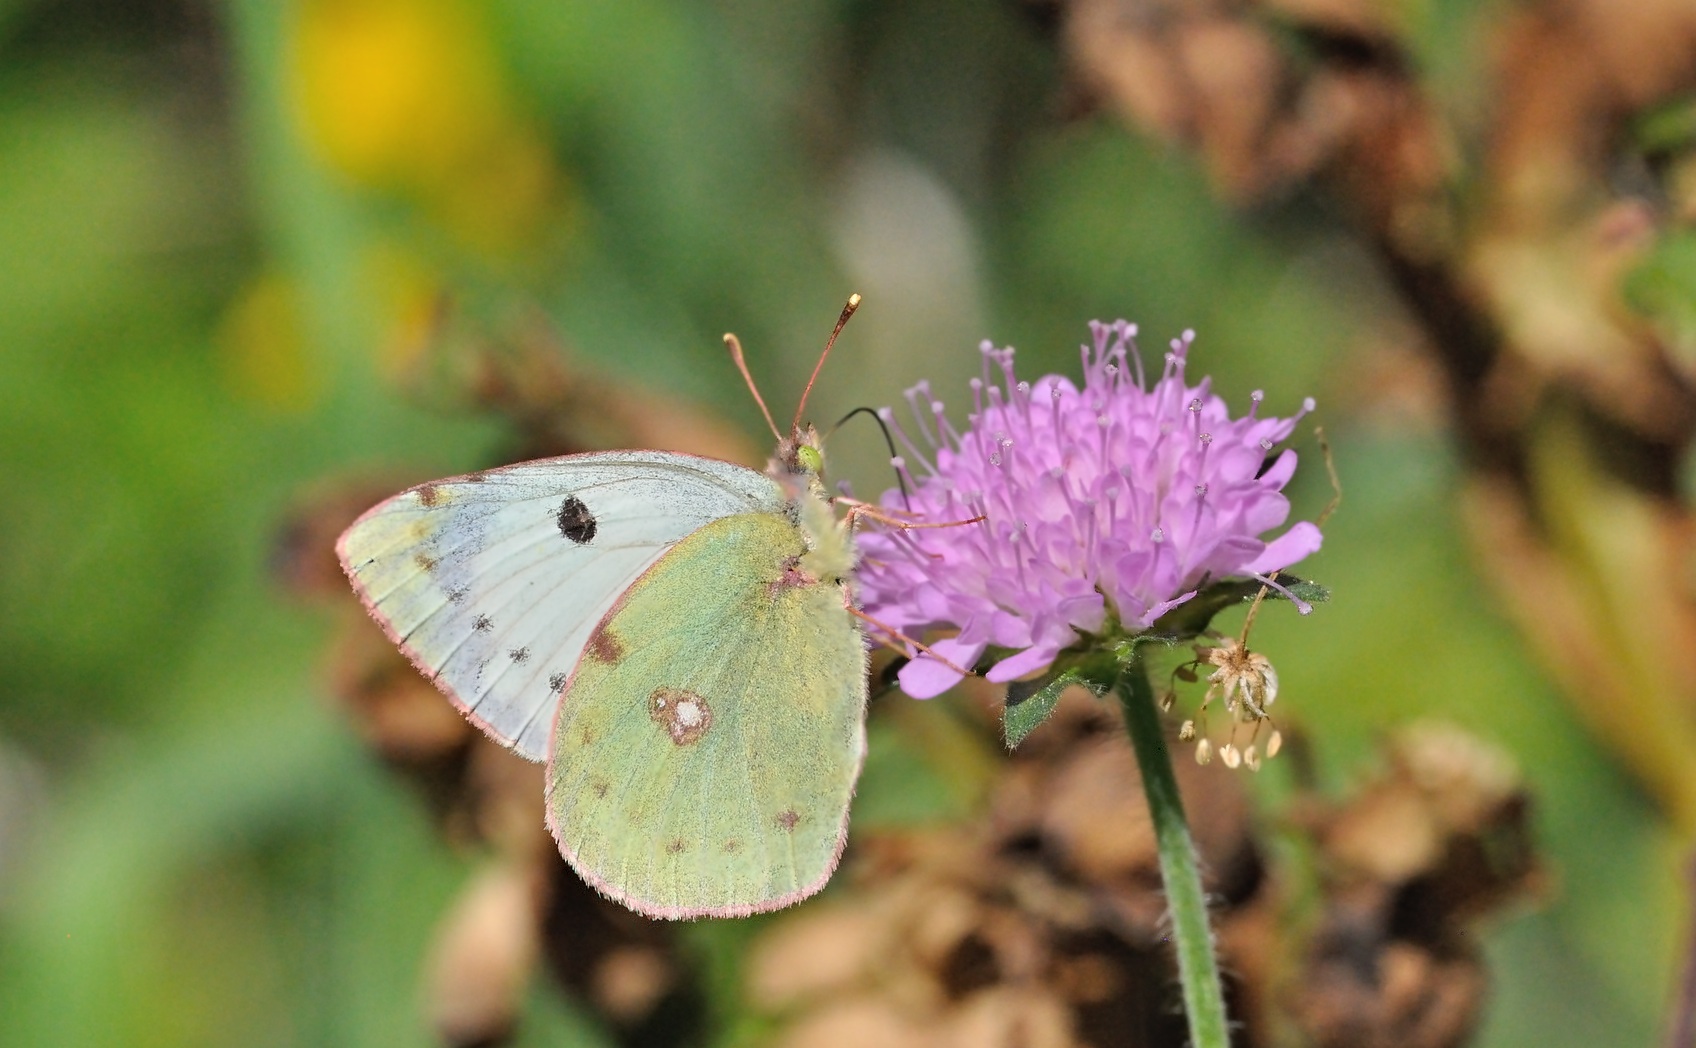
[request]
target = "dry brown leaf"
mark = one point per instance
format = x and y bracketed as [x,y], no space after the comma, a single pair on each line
[484,955]
[1410,863]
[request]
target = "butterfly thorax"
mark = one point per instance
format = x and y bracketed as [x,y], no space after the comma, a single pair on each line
[798,466]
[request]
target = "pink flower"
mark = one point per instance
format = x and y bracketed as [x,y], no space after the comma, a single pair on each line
[1104,508]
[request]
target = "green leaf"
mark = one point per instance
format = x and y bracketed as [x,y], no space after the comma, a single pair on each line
[1662,288]
[1030,702]
[1665,129]
[1312,592]
[1190,618]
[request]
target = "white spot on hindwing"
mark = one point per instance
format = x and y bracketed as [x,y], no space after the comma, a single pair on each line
[683,714]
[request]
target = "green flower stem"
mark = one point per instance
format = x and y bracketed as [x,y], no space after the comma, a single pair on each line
[1198,970]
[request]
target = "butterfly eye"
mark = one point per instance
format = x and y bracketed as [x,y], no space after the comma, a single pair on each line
[575,521]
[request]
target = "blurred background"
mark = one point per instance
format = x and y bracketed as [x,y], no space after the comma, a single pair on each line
[263,263]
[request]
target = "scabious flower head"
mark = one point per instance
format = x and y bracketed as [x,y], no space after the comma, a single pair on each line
[1103,508]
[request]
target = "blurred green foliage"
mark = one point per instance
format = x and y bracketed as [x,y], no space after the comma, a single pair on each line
[202,306]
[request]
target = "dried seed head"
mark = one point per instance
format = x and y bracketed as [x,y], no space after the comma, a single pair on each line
[1203,752]
[1244,679]
[1274,743]
[1230,755]
[1187,731]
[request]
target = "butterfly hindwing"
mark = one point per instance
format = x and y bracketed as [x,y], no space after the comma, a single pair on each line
[706,749]
[492,583]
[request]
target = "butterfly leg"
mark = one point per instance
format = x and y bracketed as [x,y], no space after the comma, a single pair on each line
[891,631]
[858,509]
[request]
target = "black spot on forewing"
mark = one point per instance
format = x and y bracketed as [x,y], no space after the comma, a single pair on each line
[429,494]
[557,681]
[788,819]
[425,562]
[482,624]
[458,594]
[575,521]
[519,656]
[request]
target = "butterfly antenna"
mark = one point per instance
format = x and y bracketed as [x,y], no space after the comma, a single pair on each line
[742,366]
[900,481]
[841,322]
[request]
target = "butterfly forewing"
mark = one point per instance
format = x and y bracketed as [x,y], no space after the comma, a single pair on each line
[706,749]
[492,583]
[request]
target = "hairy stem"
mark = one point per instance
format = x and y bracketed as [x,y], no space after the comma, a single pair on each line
[1198,970]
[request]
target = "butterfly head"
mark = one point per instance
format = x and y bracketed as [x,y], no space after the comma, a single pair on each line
[799,467]
[799,459]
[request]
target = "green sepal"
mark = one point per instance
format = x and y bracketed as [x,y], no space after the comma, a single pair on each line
[1029,702]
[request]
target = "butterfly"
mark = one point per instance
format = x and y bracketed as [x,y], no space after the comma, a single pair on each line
[673,635]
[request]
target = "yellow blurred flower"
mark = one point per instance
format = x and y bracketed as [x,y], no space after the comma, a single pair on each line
[409,295]
[407,97]
[261,343]
[393,92]
[264,338]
